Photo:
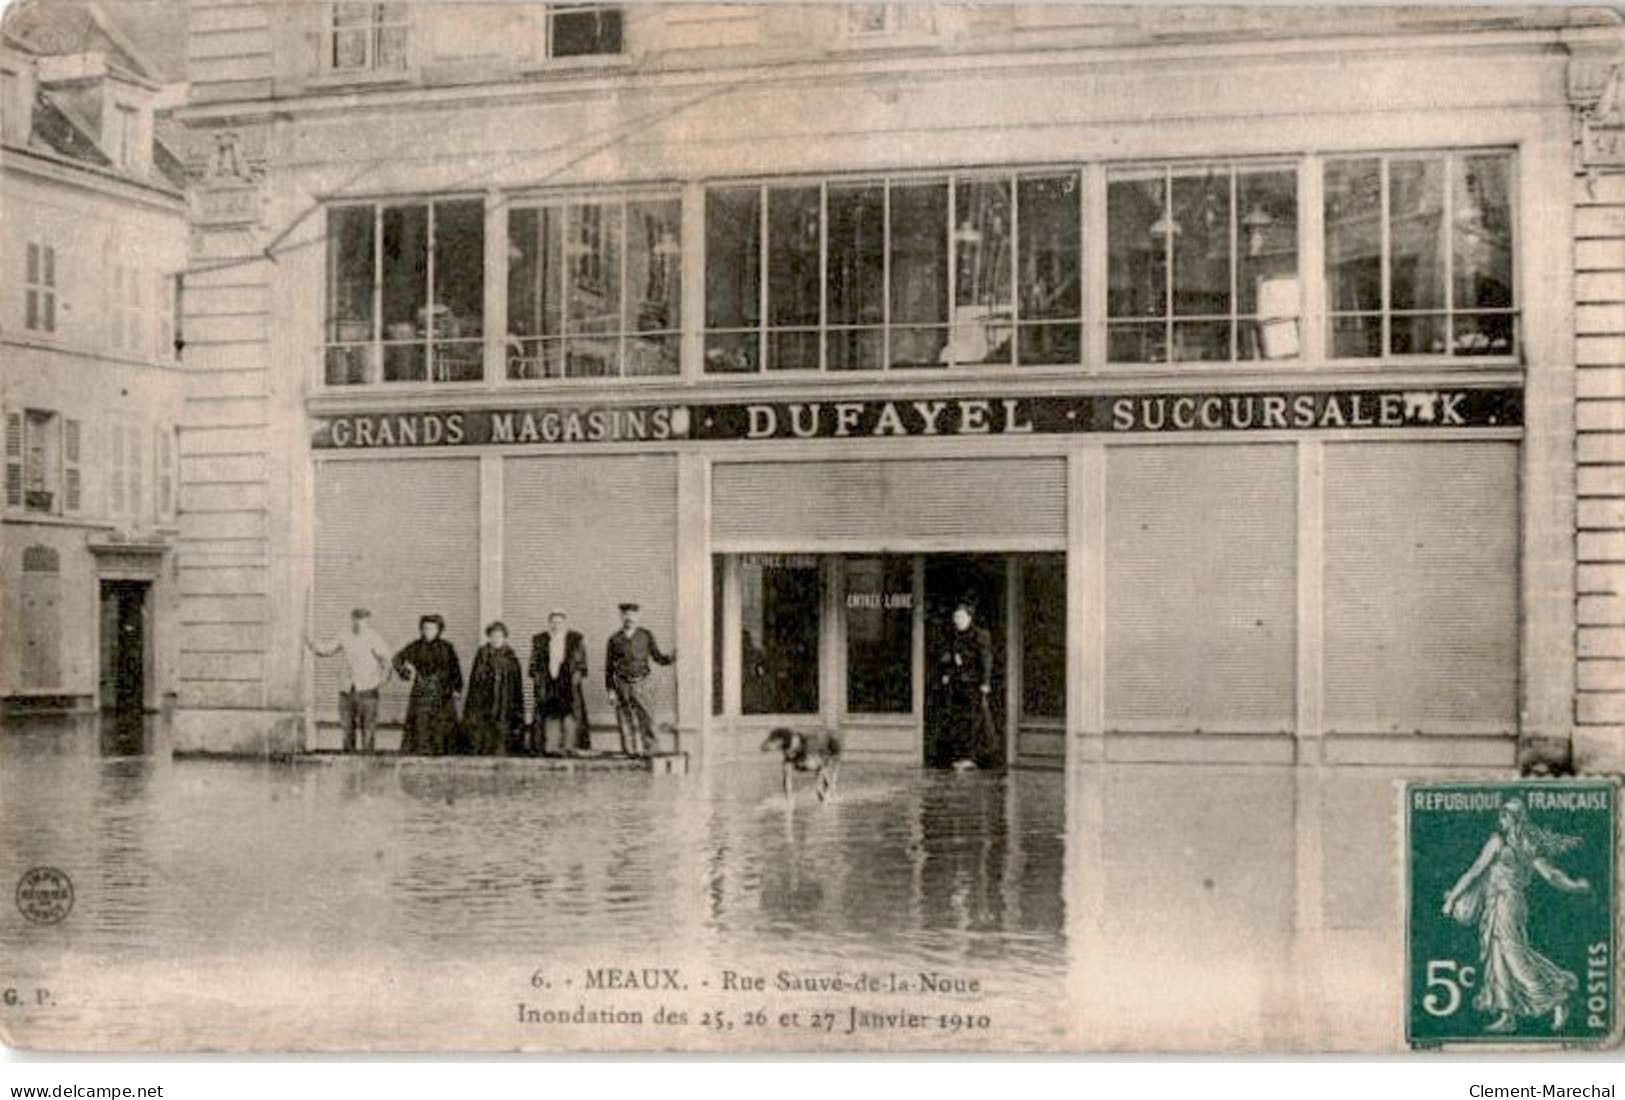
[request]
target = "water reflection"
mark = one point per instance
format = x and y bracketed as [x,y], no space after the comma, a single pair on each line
[1157,906]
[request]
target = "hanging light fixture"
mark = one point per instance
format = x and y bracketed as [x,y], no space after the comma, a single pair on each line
[1256,221]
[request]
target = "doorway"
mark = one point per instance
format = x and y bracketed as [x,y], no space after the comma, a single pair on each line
[981,580]
[124,646]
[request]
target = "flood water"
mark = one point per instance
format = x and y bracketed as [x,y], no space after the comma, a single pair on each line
[389,904]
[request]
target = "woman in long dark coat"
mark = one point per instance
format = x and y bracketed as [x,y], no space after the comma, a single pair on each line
[494,712]
[437,679]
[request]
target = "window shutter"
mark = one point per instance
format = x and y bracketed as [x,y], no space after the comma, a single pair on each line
[166,473]
[14,459]
[133,470]
[116,313]
[48,271]
[163,309]
[115,468]
[72,485]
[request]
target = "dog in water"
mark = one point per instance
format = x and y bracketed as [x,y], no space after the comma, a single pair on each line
[818,752]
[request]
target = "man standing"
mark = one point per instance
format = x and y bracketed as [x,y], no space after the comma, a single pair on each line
[558,666]
[367,656]
[966,669]
[626,670]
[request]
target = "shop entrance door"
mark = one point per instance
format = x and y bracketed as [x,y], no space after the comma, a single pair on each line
[982,580]
[124,646]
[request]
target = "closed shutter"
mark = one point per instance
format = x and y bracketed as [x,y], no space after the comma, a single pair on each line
[584,535]
[113,458]
[1201,588]
[969,504]
[1421,584]
[400,538]
[166,473]
[133,455]
[72,484]
[14,460]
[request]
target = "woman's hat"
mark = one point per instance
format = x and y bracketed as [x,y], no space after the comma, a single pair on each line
[630,607]
[495,626]
[360,613]
[557,613]
[435,619]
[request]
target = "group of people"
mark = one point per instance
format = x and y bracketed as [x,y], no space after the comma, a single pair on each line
[492,721]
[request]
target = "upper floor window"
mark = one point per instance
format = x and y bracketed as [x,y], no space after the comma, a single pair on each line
[595,288]
[43,462]
[1202,263]
[126,132]
[39,288]
[1419,255]
[366,37]
[583,30]
[900,273]
[867,19]
[406,292]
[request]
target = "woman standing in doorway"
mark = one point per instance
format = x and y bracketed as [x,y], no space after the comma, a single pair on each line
[431,664]
[965,668]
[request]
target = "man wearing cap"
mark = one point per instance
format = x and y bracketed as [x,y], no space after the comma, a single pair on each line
[558,667]
[626,670]
[966,671]
[367,656]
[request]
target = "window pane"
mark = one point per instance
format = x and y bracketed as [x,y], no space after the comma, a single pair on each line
[1043,636]
[983,304]
[779,612]
[732,352]
[733,273]
[349,49]
[459,290]
[795,349]
[1050,256]
[1137,227]
[919,254]
[593,261]
[654,264]
[793,278]
[33,262]
[1416,228]
[1483,334]
[1201,341]
[1353,211]
[351,14]
[1356,337]
[1482,236]
[1267,264]
[1418,334]
[391,48]
[879,635]
[1050,344]
[349,273]
[856,276]
[405,274]
[1202,246]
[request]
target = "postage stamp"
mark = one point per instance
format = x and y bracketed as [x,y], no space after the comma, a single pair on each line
[44,895]
[1511,912]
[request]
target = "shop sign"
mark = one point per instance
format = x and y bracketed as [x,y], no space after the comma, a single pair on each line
[781,561]
[880,601]
[1120,414]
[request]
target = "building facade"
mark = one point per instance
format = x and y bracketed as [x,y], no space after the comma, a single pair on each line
[94,242]
[1255,374]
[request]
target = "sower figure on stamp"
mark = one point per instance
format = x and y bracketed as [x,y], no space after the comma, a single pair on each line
[558,666]
[965,668]
[437,680]
[367,656]
[626,672]
[494,711]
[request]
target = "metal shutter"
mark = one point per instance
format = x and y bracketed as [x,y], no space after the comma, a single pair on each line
[401,538]
[971,503]
[585,534]
[1201,587]
[14,459]
[1421,587]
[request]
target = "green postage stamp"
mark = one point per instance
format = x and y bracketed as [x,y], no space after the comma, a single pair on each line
[1511,907]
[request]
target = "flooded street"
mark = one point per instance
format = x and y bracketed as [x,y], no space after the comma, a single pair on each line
[393,904]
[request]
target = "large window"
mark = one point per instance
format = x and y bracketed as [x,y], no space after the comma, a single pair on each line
[594,289]
[1203,263]
[779,612]
[902,273]
[583,30]
[406,292]
[366,37]
[879,635]
[1043,636]
[1419,255]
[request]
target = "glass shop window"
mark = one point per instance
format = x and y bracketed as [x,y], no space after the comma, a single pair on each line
[780,601]
[964,270]
[1202,263]
[405,293]
[1043,636]
[595,289]
[879,609]
[1419,255]
[583,30]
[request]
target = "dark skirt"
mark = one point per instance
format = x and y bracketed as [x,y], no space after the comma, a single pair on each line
[431,719]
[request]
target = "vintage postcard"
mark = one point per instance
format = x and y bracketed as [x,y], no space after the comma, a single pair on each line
[838,527]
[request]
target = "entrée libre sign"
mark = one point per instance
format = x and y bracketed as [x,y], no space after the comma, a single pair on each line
[1312,410]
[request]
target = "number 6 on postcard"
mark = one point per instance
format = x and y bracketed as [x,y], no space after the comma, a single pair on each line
[1511,912]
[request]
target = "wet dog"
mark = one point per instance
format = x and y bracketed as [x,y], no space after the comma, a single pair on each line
[818,752]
